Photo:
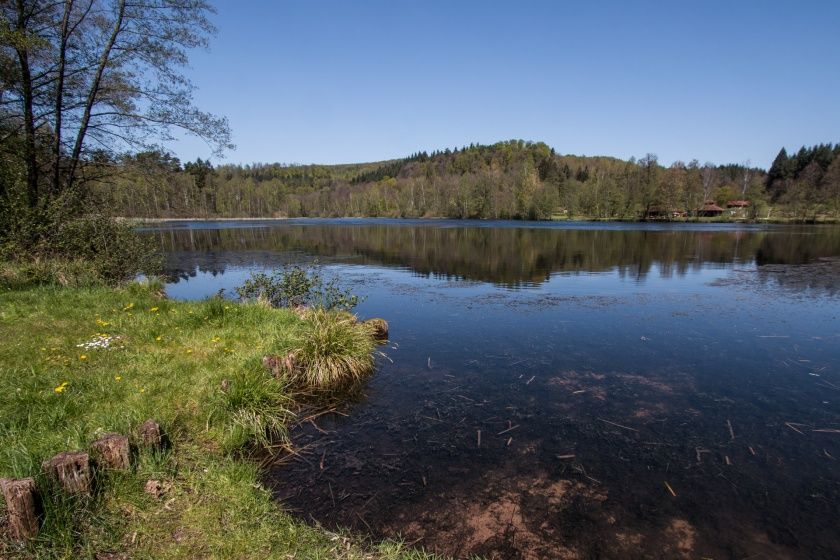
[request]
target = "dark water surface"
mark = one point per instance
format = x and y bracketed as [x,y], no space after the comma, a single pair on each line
[641,391]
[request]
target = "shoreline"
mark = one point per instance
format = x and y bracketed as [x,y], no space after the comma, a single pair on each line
[771,221]
[88,360]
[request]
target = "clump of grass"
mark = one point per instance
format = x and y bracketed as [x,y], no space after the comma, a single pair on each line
[254,409]
[331,351]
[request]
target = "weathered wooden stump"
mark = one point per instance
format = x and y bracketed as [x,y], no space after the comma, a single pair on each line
[20,496]
[150,434]
[111,452]
[71,469]
[281,365]
[379,328]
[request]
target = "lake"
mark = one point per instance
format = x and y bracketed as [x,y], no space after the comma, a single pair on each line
[566,390]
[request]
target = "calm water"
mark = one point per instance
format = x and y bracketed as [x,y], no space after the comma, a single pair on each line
[641,391]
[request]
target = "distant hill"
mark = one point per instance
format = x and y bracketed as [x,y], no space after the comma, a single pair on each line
[507,180]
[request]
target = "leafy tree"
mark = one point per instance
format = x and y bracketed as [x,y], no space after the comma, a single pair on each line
[200,170]
[83,79]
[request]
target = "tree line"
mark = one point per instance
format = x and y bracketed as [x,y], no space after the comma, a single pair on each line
[507,180]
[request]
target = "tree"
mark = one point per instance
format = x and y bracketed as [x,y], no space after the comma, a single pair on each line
[88,76]
[199,169]
[831,185]
[708,175]
[746,176]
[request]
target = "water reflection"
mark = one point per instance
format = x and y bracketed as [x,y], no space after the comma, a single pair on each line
[506,256]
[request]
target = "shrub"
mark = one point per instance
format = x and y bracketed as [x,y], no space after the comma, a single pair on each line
[77,252]
[297,286]
[331,351]
[114,248]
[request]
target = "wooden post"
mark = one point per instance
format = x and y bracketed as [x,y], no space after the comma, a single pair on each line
[151,434]
[111,451]
[19,494]
[71,469]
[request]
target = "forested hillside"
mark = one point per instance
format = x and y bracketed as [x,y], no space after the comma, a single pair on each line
[513,179]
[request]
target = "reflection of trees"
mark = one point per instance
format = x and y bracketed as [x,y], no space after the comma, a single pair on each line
[504,255]
[799,245]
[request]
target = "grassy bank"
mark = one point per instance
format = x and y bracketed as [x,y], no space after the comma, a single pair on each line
[166,360]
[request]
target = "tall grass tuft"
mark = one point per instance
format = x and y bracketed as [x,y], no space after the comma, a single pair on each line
[254,411]
[331,351]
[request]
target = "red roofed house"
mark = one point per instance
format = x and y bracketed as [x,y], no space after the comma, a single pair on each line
[737,207]
[709,209]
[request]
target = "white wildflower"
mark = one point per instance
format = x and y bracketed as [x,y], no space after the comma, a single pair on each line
[100,342]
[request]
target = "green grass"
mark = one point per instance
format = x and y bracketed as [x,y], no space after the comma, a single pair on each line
[331,351]
[168,362]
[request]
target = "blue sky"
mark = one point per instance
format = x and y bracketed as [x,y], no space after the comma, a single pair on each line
[350,81]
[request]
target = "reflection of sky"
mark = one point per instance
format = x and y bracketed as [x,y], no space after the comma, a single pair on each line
[613,283]
[617,319]
[579,320]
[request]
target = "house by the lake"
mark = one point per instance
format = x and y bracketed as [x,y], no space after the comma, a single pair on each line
[738,207]
[709,210]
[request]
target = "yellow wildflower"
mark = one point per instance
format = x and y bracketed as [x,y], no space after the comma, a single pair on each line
[118,378]
[61,387]
[142,389]
[129,306]
[83,357]
[189,351]
[159,338]
[154,309]
[215,340]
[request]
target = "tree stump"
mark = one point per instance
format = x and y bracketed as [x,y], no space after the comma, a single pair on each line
[111,452]
[151,434]
[71,469]
[379,328]
[19,494]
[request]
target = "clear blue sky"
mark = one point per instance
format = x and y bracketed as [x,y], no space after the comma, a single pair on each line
[350,81]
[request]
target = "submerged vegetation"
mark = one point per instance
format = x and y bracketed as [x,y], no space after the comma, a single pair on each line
[81,361]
